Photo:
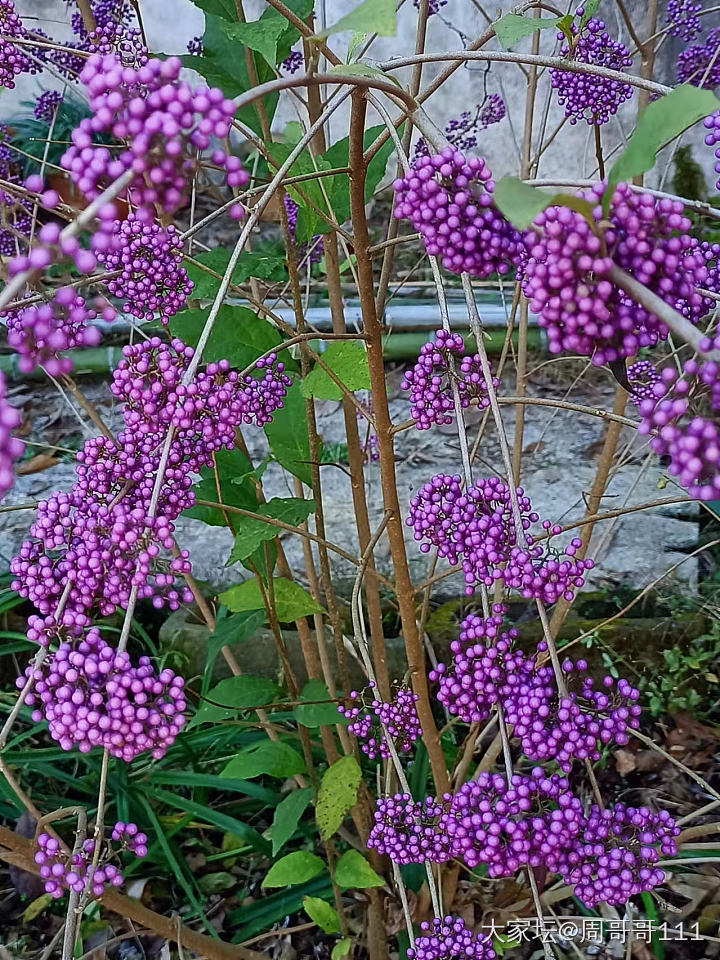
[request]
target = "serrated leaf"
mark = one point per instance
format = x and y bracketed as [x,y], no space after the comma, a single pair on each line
[230,466]
[236,693]
[262,36]
[352,871]
[659,123]
[291,601]
[256,264]
[289,437]
[318,714]
[321,913]
[341,949]
[287,816]
[271,757]
[250,533]
[373,16]
[238,336]
[295,868]
[511,28]
[337,795]
[348,361]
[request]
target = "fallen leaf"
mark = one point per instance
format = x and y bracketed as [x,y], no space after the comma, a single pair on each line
[625,762]
[41,461]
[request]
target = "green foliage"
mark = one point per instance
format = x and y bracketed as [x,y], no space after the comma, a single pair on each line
[690,679]
[511,28]
[348,361]
[239,335]
[229,484]
[272,757]
[262,36]
[337,795]
[236,693]
[265,263]
[321,913]
[295,868]
[218,8]
[341,949]
[659,124]
[287,816]
[318,714]
[230,630]
[250,533]
[352,871]
[291,600]
[521,203]
[289,437]
[372,16]
[688,177]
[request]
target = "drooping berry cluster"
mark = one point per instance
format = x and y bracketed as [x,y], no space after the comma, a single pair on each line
[308,254]
[528,822]
[712,138]
[449,201]
[449,938]
[585,96]
[11,448]
[165,123]
[15,209]
[571,726]
[373,724]
[149,259]
[294,62]
[616,855]
[63,871]
[13,60]
[51,247]
[47,104]
[410,831]
[39,332]
[91,695]
[566,275]
[461,132]
[441,362]
[699,64]
[682,15]
[123,42]
[475,528]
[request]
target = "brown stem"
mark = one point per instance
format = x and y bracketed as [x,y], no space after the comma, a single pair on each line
[88,17]
[373,329]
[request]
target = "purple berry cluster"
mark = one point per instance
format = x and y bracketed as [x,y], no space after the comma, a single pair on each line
[39,332]
[148,258]
[294,62]
[434,6]
[528,822]
[195,46]
[449,201]
[123,42]
[585,97]
[63,871]
[642,376]
[440,362]
[15,210]
[682,15]
[449,938]
[51,247]
[91,695]
[165,123]
[492,111]
[11,448]
[461,132]
[47,104]
[372,724]
[410,831]
[699,64]
[475,528]
[308,254]
[566,275]
[712,138]
[484,667]
[13,60]
[575,726]
[616,855]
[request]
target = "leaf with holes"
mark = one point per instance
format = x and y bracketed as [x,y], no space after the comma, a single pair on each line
[337,795]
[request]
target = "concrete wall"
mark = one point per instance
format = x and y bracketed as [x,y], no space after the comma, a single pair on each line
[170,23]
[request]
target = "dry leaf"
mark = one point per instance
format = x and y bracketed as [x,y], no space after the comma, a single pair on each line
[41,461]
[625,762]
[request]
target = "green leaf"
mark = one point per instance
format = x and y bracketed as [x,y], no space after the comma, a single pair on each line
[295,868]
[219,8]
[217,882]
[257,264]
[348,361]
[309,222]
[373,16]
[250,533]
[337,795]
[521,203]
[590,9]
[338,156]
[318,714]
[271,757]
[230,465]
[291,600]
[228,632]
[262,36]
[220,820]
[362,69]
[236,693]
[356,41]
[353,871]
[238,336]
[288,435]
[287,816]
[341,949]
[659,124]
[511,28]
[321,913]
